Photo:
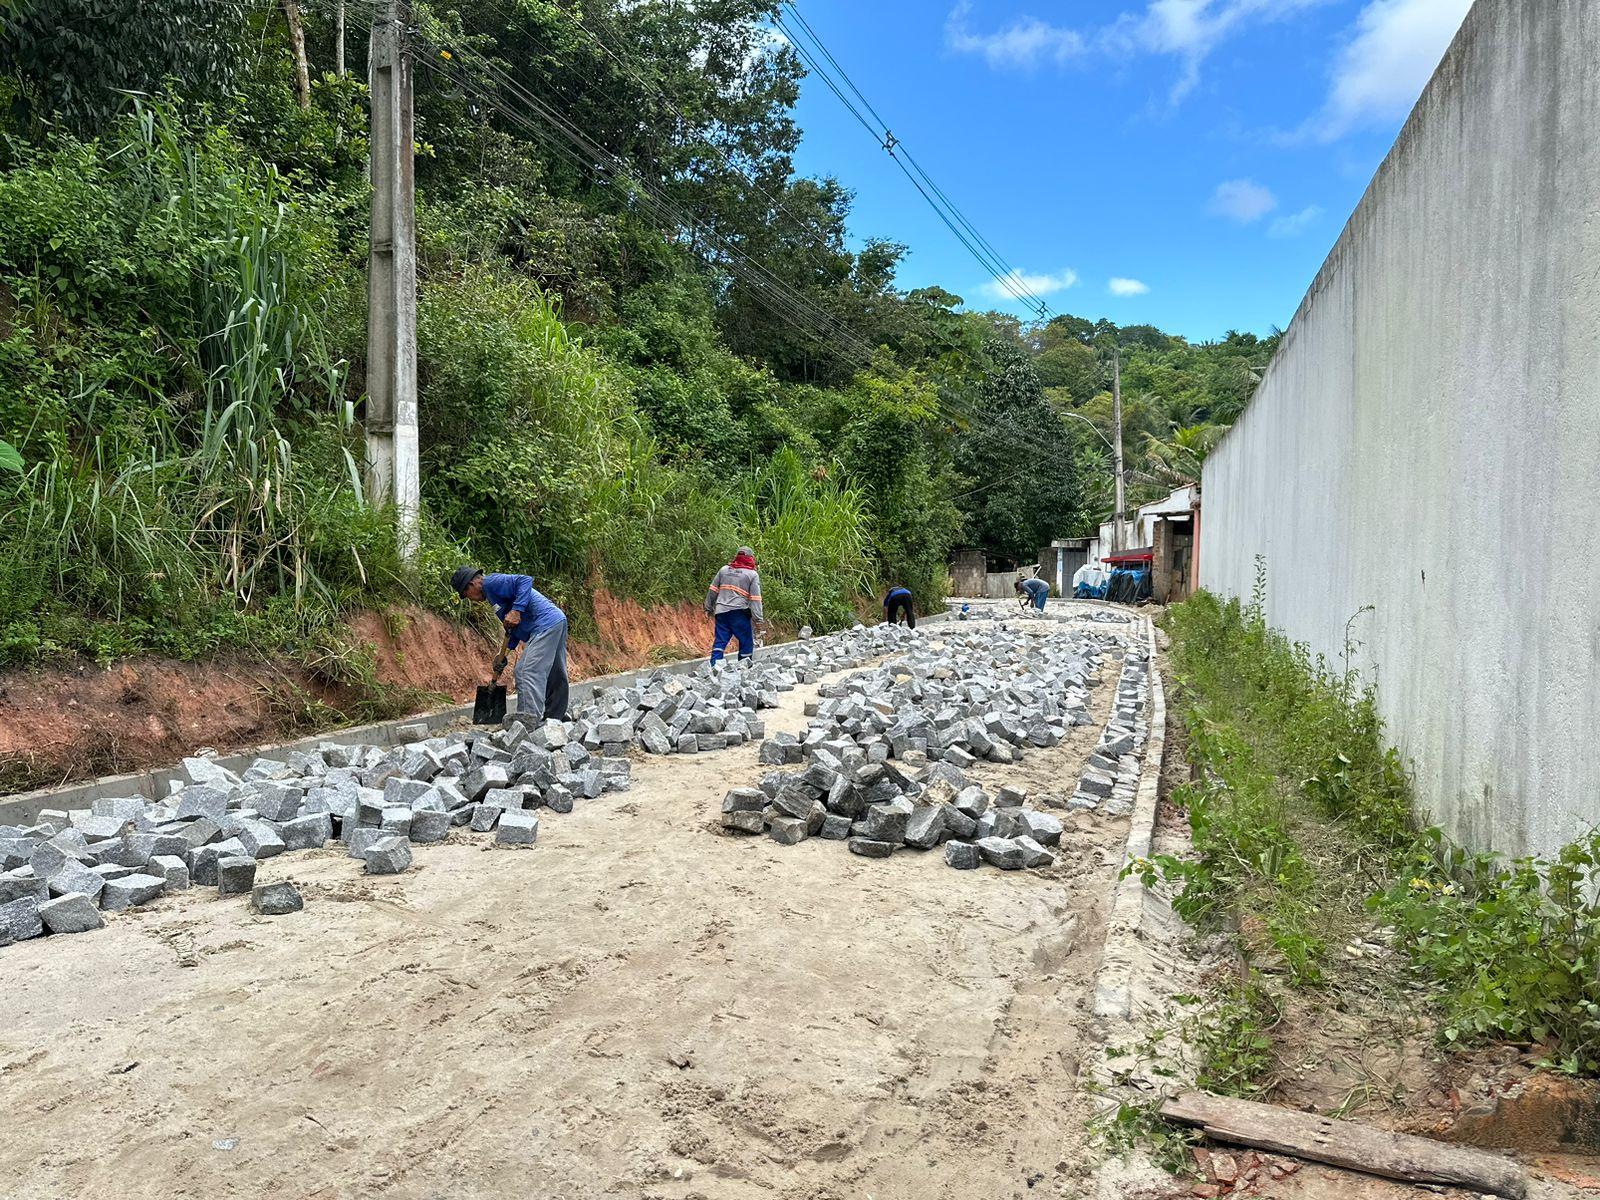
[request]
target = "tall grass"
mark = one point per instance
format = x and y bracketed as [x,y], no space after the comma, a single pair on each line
[183,524]
[1302,823]
[810,535]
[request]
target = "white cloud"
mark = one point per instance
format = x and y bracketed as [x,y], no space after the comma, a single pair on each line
[1392,52]
[1126,287]
[1295,223]
[1242,200]
[1020,281]
[1191,29]
[1188,30]
[1025,42]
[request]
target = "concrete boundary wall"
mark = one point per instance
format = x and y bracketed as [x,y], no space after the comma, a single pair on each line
[1427,439]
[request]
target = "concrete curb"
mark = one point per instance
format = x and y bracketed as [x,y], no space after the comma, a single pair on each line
[23,807]
[1134,934]
[1113,991]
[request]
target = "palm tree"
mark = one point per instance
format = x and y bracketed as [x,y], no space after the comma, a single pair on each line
[1176,460]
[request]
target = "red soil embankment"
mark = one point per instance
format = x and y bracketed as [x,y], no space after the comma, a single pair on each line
[77,720]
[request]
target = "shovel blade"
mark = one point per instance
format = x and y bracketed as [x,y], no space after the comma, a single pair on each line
[489,708]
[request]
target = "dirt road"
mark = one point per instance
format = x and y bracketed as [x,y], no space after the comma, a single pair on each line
[640,1006]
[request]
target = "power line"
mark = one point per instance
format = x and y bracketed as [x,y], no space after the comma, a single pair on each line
[768,284]
[613,53]
[994,266]
[785,301]
[825,65]
[582,152]
[616,54]
[954,416]
[952,217]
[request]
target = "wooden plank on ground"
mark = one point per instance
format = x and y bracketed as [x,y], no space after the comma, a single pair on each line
[1347,1144]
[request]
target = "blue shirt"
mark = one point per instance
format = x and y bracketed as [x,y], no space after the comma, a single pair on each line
[507,592]
[893,593]
[1034,586]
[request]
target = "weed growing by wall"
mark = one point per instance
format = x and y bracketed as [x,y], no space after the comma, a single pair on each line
[1303,834]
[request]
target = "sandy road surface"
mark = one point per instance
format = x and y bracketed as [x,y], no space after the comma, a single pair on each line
[637,1007]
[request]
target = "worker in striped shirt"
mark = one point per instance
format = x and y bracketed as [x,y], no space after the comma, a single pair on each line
[733,601]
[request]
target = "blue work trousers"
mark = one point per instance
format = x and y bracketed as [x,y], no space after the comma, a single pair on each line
[735,625]
[541,675]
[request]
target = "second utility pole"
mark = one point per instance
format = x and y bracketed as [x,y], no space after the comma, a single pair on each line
[1120,536]
[391,416]
[338,38]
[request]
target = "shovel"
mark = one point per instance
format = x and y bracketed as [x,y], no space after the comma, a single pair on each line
[489,708]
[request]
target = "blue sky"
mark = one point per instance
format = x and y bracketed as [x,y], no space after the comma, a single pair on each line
[1202,153]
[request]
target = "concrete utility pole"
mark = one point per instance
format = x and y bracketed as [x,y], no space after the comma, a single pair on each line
[338,38]
[391,417]
[297,44]
[1120,534]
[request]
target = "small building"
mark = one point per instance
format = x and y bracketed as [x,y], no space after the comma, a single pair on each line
[976,574]
[1142,527]
[1060,560]
[1166,529]
[967,570]
[1174,525]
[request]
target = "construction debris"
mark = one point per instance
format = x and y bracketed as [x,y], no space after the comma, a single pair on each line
[668,713]
[1348,1144]
[212,829]
[881,767]
[276,899]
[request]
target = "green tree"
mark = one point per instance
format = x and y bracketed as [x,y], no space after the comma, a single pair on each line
[1176,460]
[893,448]
[75,60]
[1025,466]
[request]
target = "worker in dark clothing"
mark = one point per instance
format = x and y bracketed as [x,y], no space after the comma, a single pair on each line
[897,604]
[533,623]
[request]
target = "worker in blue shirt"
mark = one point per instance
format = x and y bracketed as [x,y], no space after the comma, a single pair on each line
[898,603]
[1037,592]
[533,623]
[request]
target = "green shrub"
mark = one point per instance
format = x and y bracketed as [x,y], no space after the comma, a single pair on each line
[1514,945]
[198,484]
[535,457]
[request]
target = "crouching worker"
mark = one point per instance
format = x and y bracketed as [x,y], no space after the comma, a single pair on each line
[533,623]
[897,604]
[733,601]
[1036,590]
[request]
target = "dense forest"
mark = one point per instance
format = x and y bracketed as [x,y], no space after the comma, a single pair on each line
[642,338]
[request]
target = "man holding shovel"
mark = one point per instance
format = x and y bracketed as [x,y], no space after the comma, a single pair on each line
[532,622]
